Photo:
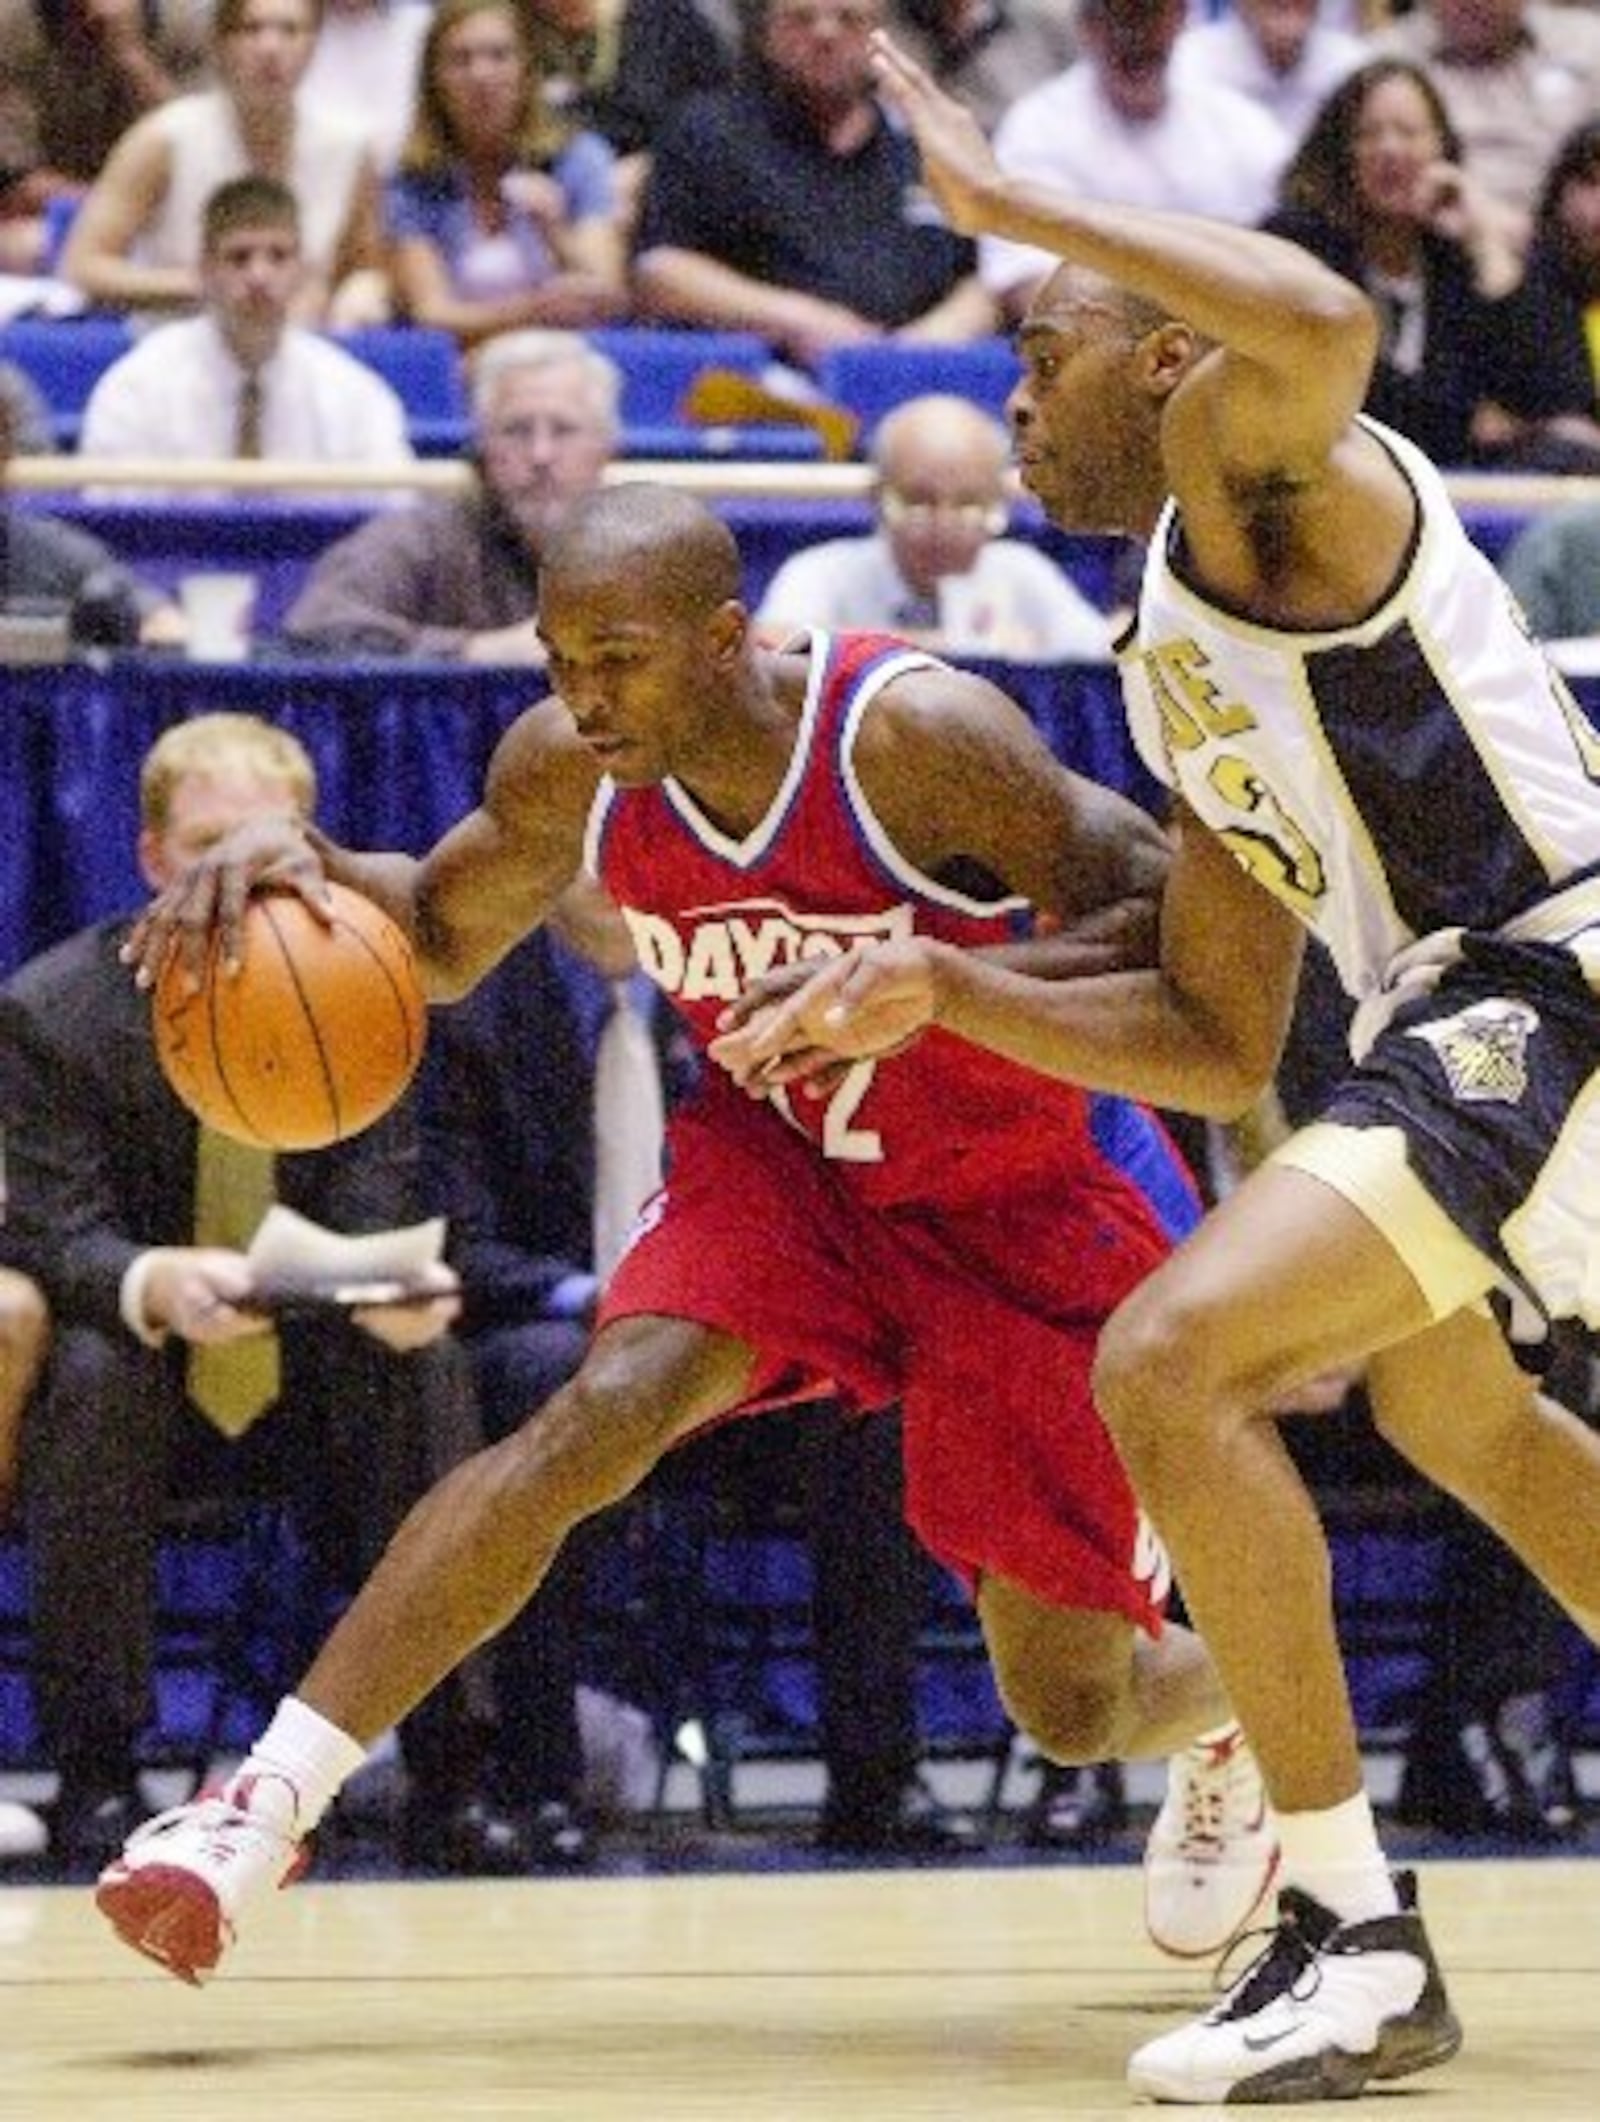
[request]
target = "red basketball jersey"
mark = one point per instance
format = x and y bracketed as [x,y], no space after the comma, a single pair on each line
[943,1122]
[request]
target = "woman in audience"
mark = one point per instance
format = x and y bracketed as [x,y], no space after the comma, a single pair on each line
[136,241]
[1563,284]
[1378,191]
[503,213]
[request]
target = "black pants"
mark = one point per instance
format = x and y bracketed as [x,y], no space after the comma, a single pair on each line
[358,1436]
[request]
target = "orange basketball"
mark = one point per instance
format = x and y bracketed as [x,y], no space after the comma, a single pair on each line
[315,1036]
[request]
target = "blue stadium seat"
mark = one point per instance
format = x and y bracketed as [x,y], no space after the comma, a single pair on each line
[422,365]
[871,379]
[659,364]
[64,358]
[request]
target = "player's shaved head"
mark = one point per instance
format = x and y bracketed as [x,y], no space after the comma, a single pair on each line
[670,547]
[1074,293]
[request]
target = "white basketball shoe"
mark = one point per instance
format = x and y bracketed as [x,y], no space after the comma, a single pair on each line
[1326,2009]
[185,1879]
[1213,1850]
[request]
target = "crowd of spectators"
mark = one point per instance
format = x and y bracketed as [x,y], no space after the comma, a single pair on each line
[480,166]
[246,178]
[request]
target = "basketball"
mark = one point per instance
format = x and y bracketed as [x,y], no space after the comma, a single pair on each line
[314,1037]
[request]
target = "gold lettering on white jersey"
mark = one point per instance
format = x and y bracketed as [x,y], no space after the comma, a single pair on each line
[1273,848]
[1191,706]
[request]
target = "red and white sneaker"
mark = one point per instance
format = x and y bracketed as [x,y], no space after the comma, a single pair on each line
[185,1879]
[1213,1851]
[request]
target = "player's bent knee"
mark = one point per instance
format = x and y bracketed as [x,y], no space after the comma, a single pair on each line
[1144,1371]
[1072,1723]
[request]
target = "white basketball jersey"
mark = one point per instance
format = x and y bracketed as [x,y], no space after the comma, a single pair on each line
[1421,771]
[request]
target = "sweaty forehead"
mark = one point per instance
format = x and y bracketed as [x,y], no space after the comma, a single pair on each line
[1079,305]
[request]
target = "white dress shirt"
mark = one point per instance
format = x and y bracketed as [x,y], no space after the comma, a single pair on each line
[1210,152]
[175,397]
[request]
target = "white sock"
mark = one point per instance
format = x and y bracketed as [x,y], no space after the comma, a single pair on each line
[315,1756]
[1335,1856]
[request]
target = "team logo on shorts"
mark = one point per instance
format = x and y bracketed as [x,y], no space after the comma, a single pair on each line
[1483,1050]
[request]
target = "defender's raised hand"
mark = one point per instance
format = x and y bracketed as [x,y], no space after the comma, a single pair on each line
[957,159]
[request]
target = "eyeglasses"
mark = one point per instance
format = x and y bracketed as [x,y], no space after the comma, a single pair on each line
[901,513]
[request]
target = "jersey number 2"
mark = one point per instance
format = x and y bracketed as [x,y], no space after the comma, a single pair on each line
[840,1140]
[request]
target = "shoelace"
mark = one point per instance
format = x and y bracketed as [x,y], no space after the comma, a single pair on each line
[1281,1967]
[1208,1790]
[214,1817]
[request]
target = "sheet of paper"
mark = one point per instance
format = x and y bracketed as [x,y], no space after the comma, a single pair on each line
[289,1251]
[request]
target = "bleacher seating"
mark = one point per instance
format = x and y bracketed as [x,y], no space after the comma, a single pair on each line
[869,380]
[64,358]
[422,366]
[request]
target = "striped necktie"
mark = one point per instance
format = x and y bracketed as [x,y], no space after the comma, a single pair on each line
[247,427]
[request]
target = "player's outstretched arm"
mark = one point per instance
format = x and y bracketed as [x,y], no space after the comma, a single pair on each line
[1306,336]
[1200,1033]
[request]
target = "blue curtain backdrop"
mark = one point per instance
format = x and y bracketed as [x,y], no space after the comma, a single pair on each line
[400,748]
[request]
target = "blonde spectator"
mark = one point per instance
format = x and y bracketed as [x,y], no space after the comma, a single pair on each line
[503,213]
[136,243]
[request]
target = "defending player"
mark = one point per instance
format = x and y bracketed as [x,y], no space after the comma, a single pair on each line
[1363,742]
[944,1230]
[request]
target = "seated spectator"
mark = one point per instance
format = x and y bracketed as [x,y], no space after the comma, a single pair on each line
[939,569]
[107,1210]
[1124,123]
[623,66]
[136,241]
[45,563]
[1283,54]
[1553,567]
[502,212]
[1562,291]
[365,66]
[987,52]
[789,206]
[1379,192]
[240,380]
[74,75]
[1515,75]
[458,576]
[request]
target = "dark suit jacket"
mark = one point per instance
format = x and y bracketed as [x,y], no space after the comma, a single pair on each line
[100,1153]
[507,1087]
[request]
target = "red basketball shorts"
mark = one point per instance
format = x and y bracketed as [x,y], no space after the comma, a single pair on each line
[980,1321]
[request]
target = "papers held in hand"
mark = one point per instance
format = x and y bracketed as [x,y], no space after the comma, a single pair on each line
[300,1266]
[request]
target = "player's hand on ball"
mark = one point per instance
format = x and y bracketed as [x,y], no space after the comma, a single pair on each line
[209,900]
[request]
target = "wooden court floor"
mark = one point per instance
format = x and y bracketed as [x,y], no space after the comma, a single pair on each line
[975,1993]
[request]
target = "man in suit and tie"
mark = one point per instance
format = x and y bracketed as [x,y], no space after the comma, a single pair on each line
[363,1409]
